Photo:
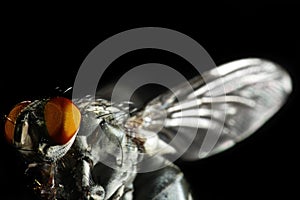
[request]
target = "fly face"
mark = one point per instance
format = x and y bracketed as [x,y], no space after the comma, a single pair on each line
[43,131]
[46,128]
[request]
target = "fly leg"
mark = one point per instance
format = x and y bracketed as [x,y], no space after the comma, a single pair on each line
[85,183]
[42,179]
[91,190]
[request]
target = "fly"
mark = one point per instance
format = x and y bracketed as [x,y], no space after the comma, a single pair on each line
[93,149]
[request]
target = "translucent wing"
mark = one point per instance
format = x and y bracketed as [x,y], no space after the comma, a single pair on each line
[216,110]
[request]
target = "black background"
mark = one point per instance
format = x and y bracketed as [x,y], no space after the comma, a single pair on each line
[42,49]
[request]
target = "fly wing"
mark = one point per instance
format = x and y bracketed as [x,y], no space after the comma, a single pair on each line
[216,110]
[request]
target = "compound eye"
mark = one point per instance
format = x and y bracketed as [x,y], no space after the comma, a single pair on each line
[11,119]
[62,119]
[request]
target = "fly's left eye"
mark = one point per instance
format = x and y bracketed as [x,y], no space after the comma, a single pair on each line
[11,120]
[62,119]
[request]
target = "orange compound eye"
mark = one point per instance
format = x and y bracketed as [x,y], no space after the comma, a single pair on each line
[62,119]
[11,120]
